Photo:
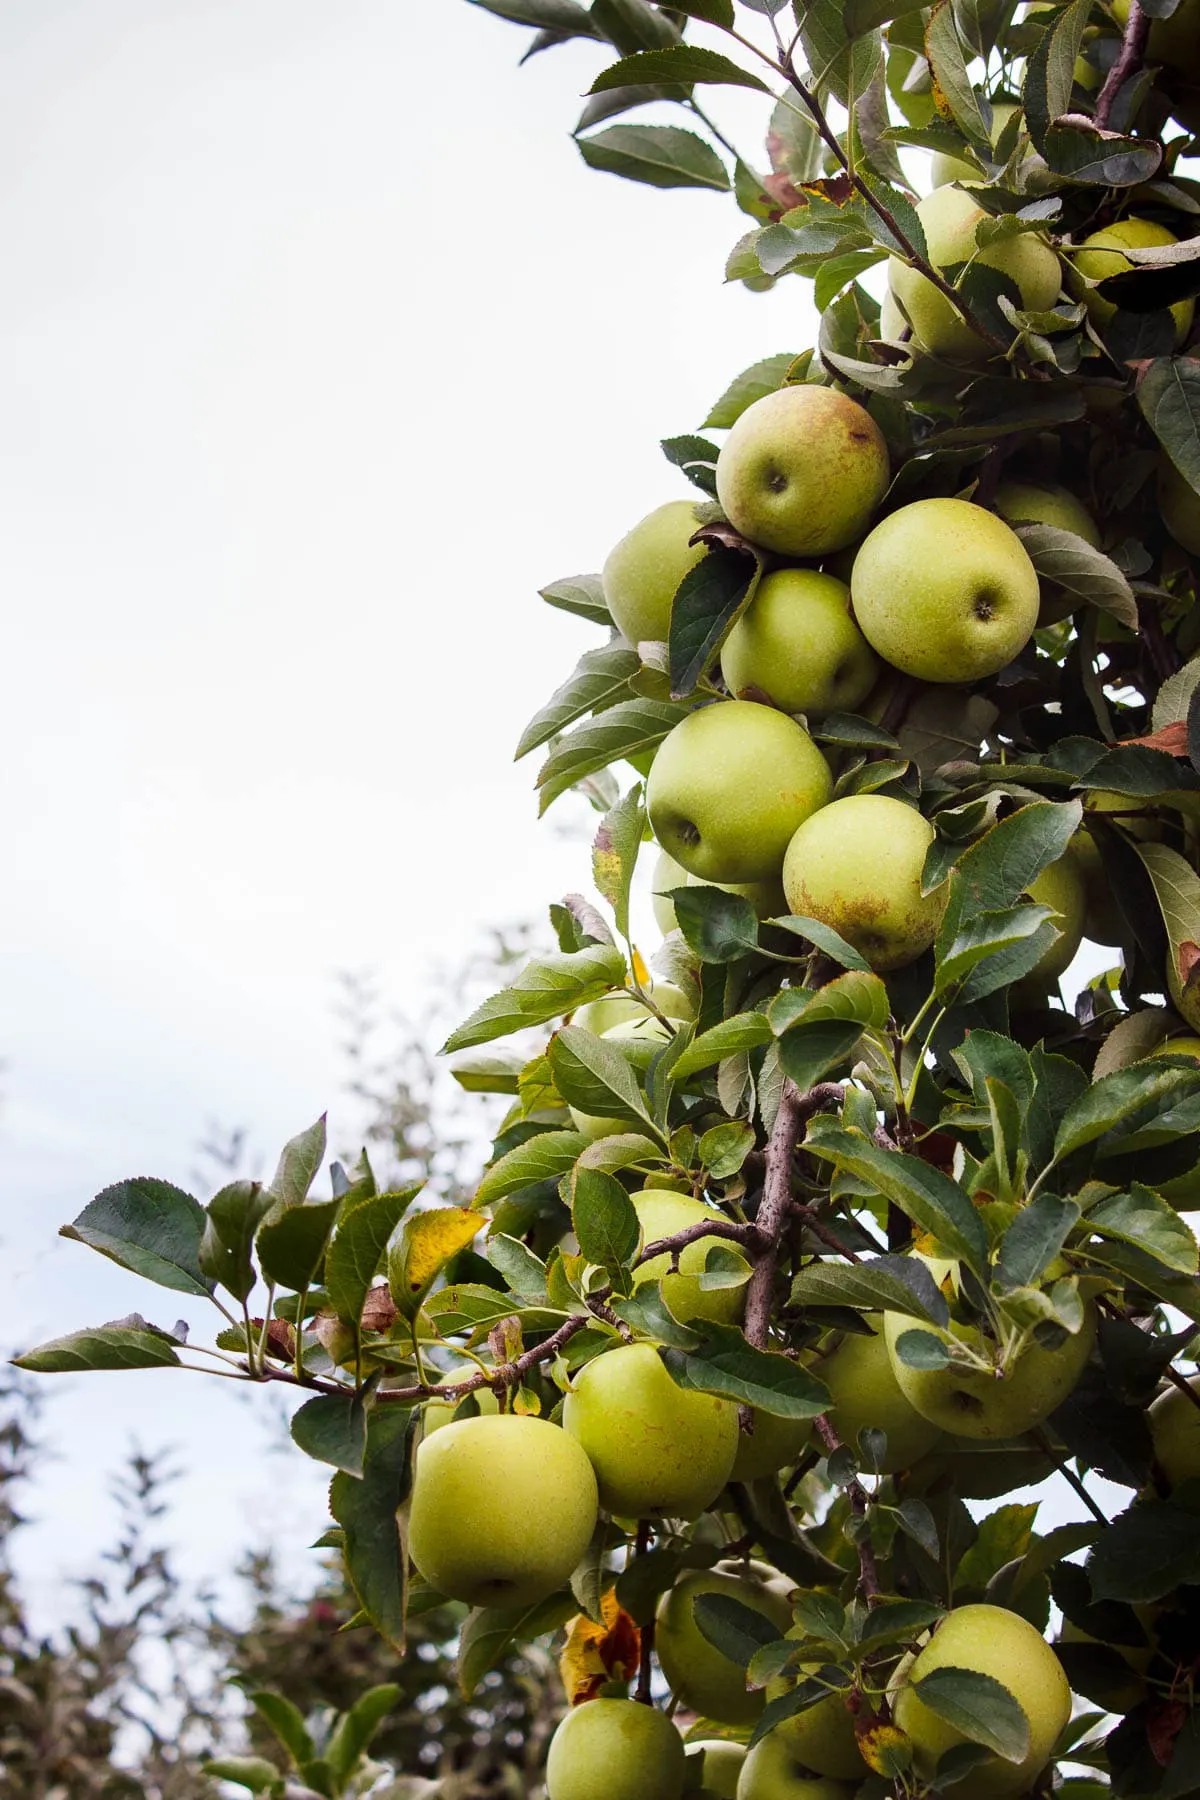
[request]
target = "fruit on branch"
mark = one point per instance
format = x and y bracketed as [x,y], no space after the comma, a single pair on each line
[662,1214]
[615,1750]
[1175,1430]
[659,1451]
[797,644]
[820,1738]
[865,1393]
[992,1400]
[729,786]
[503,1509]
[721,1766]
[772,1771]
[856,866]
[991,1641]
[625,1009]
[802,471]
[643,571]
[1062,887]
[774,1444]
[1031,503]
[766,897]
[944,168]
[696,1671]
[1179,504]
[945,591]
[950,218]
[1100,256]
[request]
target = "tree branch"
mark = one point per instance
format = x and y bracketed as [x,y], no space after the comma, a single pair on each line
[819,1229]
[1129,59]
[795,1110]
[860,1500]
[503,1375]
[745,1235]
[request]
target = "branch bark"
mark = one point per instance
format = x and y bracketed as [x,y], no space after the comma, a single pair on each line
[1129,59]
[795,1110]
[868,1572]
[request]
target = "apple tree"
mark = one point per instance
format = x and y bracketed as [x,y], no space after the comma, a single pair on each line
[823,1248]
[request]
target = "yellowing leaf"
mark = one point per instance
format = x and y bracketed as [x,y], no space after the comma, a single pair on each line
[886,1749]
[526,1403]
[426,1244]
[641,973]
[595,1654]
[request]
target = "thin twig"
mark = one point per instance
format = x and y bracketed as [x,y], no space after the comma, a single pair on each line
[747,1235]
[693,106]
[1068,1474]
[819,1229]
[1184,1386]
[860,1500]
[1129,59]
[646,1645]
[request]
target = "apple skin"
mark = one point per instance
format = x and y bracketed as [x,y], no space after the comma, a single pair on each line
[1102,922]
[661,1214]
[772,1771]
[721,1766]
[766,897]
[950,217]
[473,1548]
[1100,256]
[797,643]
[611,1010]
[802,471]
[615,1750]
[1179,505]
[975,1404]
[856,866]
[729,786]
[642,572]
[822,1737]
[696,1672]
[944,168]
[992,1641]
[658,1450]
[858,1372]
[945,591]
[1175,1430]
[1062,887]
[774,1444]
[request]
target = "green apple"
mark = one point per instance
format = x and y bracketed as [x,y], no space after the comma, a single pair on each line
[991,1641]
[774,1444]
[856,866]
[612,1010]
[729,786]
[858,1373]
[441,1412]
[661,1214]
[892,325]
[984,1403]
[766,897]
[696,1672]
[950,218]
[615,1750]
[802,470]
[820,1738]
[1100,256]
[1030,503]
[1175,1430]
[945,590]
[1174,41]
[944,168]
[642,572]
[772,1771]
[797,644]
[721,1766]
[1060,886]
[1179,504]
[512,1555]
[658,1450]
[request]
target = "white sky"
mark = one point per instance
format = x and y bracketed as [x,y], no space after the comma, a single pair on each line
[320,351]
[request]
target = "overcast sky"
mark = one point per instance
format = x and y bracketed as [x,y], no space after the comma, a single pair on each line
[320,351]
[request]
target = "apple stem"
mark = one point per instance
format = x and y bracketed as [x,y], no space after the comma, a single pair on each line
[1129,59]
[1060,1462]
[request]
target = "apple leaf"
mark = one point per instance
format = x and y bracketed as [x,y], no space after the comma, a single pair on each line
[1034,1239]
[1146,1553]
[752,384]
[116,1346]
[252,1772]
[546,988]
[605,1222]
[599,679]
[426,1244]
[615,852]
[488,1631]
[299,1165]
[978,1706]
[745,1031]
[332,1428]
[357,1727]
[582,595]
[813,1049]
[373,1514]
[661,156]
[725,1364]
[825,939]
[592,1075]
[1070,564]
[1169,396]
[982,935]
[291,1248]
[948,60]
[718,927]
[797,1699]
[738,1631]
[541,1158]
[993,873]
[933,1202]
[548,15]
[149,1227]
[683,63]
[1120,1098]
[881,1284]
[1143,1218]
[707,604]
[226,1246]
[620,731]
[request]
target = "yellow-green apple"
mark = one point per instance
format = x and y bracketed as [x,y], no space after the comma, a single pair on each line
[1179,504]
[892,327]
[772,1771]
[611,1010]
[658,1450]
[441,1412]
[766,897]
[662,1214]
[720,1766]
[945,590]
[991,1641]
[697,1673]
[802,471]
[1029,503]
[820,1738]
[865,1393]
[1062,888]
[642,572]
[1101,255]
[990,1401]
[774,1443]
[615,1750]
[638,1040]
[1175,1430]
[797,643]
[469,1547]
[951,217]
[856,866]
[945,168]
[729,786]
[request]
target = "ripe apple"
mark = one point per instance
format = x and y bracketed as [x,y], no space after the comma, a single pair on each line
[1175,1429]
[858,1373]
[992,1641]
[774,1443]
[1179,504]
[856,866]
[658,1450]
[662,1214]
[802,471]
[797,644]
[772,1771]
[944,168]
[822,1737]
[766,897]
[503,1509]
[721,1766]
[615,1750]
[729,786]
[642,572]
[697,1673]
[1100,256]
[950,217]
[945,590]
[1060,886]
[979,1403]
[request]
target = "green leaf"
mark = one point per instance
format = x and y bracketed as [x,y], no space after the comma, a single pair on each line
[549,15]
[662,156]
[598,680]
[752,384]
[605,1222]
[149,1227]
[546,988]
[286,1721]
[299,1165]
[620,731]
[734,1629]
[1117,1098]
[541,1158]
[592,1075]
[615,854]
[582,595]
[1004,1535]
[948,62]
[488,1632]
[985,934]
[369,1513]
[996,870]
[1141,1217]
[1146,1554]
[716,12]
[726,1364]
[227,1244]
[696,458]
[930,1199]
[685,63]
[291,1248]
[825,939]
[979,1707]
[1069,563]
[100,1347]
[356,1728]
[811,1050]
[1034,1239]
[357,1250]
[425,1245]
[744,1031]
[332,1428]
[724,1148]
[897,1622]
[706,606]
[881,1284]
[922,1350]
[253,1772]
[1050,70]
[1169,396]
[717,926]
[524,1273]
